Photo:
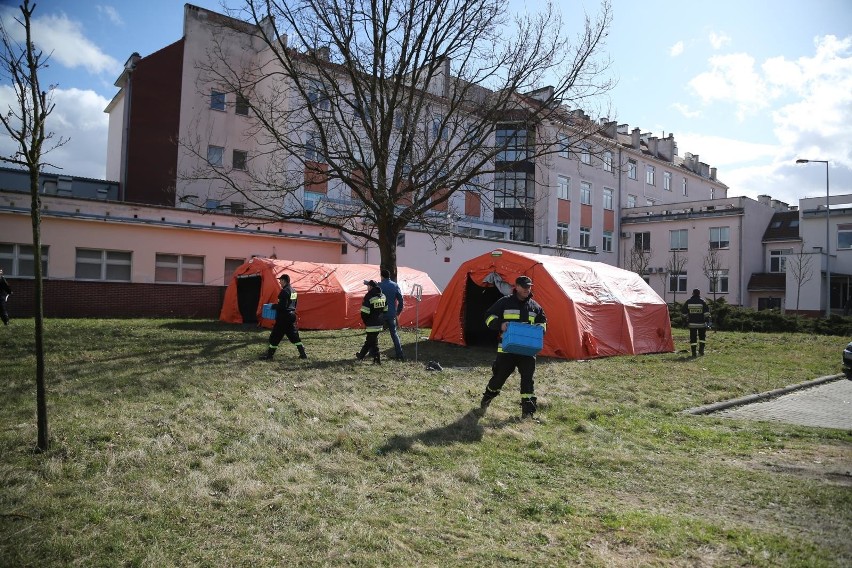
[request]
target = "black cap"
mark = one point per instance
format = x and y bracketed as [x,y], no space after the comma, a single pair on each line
[371,283]
[523,281]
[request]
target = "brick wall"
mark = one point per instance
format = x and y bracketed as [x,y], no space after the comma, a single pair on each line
[73,299]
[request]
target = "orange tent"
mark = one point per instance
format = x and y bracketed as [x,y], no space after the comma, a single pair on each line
[330,295]
[593,309]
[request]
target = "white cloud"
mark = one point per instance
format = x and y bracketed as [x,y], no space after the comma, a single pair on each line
[686,111]
[732,78]
[676,49]
[111,14]
[718,41]
[64,40]
[78,117]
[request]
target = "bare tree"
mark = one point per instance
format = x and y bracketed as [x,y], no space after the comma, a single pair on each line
[675,265]
[712,267]
[799,266]
[20,63]
[397,106]
[637,260]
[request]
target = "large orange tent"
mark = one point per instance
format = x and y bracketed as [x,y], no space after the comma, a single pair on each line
[330,295]
[593,309]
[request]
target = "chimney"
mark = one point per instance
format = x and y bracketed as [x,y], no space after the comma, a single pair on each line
[666,148]
[764,199]
[713,174]
[623,129]
[610,129]
[636,137]
[653,145]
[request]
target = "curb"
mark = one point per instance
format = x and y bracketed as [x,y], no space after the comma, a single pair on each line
[709,408]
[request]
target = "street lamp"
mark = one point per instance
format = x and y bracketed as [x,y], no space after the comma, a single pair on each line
[827,237]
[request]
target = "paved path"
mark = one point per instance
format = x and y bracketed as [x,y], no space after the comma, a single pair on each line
[826,405]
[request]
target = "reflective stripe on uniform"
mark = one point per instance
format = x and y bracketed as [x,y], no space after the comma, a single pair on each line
[489,319]
[374,328]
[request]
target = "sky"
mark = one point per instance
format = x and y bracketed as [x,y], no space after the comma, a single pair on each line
[747,85]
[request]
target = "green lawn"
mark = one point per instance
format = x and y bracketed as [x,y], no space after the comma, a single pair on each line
[173,446]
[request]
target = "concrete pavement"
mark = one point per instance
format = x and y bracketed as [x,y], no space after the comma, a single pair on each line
[825,403]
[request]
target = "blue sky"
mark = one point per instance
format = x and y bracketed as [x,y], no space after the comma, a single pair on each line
[748,85]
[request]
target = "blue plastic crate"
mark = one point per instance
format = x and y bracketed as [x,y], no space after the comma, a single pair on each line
[523,338]
[268,312]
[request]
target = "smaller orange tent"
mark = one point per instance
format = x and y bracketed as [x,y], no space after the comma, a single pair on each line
[593,309]
[330,295]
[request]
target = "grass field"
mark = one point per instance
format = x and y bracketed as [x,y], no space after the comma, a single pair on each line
[173,446]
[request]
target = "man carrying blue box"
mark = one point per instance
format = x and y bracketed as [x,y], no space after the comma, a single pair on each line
[516,307]
[285,321]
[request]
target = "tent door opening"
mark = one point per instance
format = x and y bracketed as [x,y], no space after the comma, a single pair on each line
[248,296]
[477,299]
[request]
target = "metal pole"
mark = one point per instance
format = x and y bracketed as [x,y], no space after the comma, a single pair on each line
[417,292]
[827,248]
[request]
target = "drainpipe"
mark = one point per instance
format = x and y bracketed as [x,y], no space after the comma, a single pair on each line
[741,276]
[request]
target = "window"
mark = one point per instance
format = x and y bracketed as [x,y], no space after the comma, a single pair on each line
[439,130]
[679,239]
[18,260]
[400,240]
[607,198]
[512,190]
[585,193]
[109,265]
[564,145]
[607,241]
[494,234]
[217,100]
[242,106]
[214,155]
[231,264]
[585,237]
[642,241]
[585,154]
[719,282]
[312,150]
[238,207]
[607,161]
[631,169]
[318,96]
[179,268]
[312,199]
[631,200]
[650,172]
[844,235]
[562,233]
[562,189]
[719,237]
[684,187]
[239,158]
[778,260]
[469,232]
[512,144]
[667,181]
[677,282]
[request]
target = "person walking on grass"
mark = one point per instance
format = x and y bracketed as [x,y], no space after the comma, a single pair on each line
[395,303]
[5,292]
[285,321]
[697,313]
[373,310]
[519,306]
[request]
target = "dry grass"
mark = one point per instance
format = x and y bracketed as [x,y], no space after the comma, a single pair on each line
[172,445]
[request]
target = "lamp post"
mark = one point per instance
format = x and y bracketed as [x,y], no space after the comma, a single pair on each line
[827,237]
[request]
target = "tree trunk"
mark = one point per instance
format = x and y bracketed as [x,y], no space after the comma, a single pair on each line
[387,251]
[41,396]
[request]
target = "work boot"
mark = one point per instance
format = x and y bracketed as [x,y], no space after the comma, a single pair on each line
[701,350]
[528,407]
[486,401]
[359,356]
[693,351]
[302,354]
[377,359]
[268,355]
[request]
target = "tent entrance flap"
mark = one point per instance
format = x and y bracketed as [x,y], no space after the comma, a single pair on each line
[248,296]
[477,299]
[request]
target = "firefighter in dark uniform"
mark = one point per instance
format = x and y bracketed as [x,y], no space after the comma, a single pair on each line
[285,320]
[516,307]
[698,314]
[373,310]
[5,292]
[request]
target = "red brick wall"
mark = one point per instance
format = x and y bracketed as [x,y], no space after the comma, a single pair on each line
[72,299]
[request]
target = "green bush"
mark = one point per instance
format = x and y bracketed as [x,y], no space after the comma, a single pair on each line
[726,317]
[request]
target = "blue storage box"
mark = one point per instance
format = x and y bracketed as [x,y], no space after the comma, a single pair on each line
[523,338]
[268,312]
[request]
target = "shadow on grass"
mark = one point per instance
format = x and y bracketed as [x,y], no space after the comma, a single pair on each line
[465,430]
